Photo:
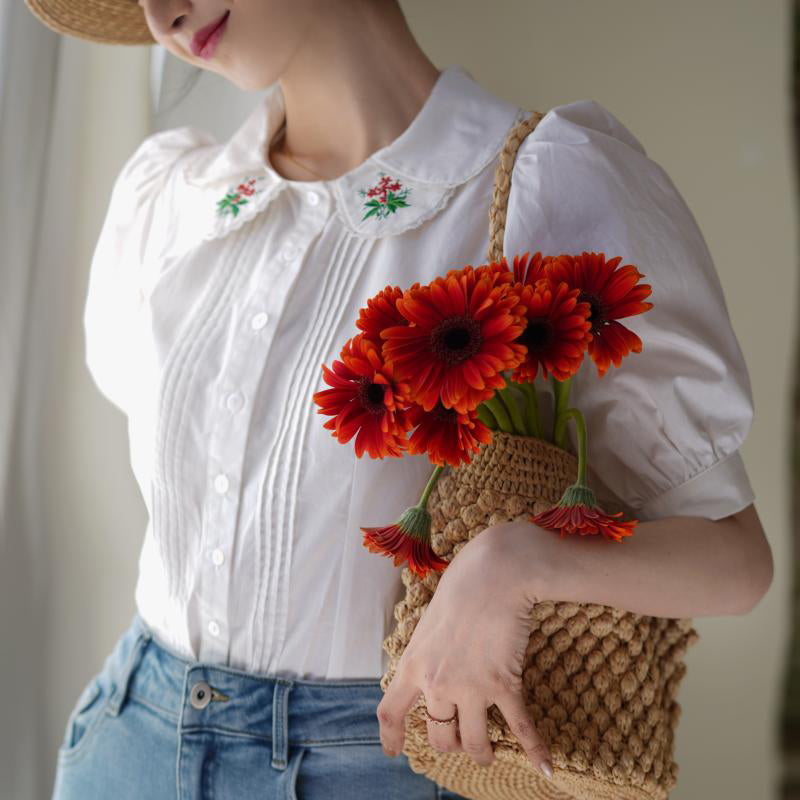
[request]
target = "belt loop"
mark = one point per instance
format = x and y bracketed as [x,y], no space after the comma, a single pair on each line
[280,722]
[134,657]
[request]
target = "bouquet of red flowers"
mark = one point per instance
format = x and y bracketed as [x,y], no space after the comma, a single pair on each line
[435,369]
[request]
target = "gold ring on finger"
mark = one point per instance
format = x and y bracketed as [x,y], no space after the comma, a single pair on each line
[450,720]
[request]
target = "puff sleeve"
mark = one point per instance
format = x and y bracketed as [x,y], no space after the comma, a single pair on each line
[665,427]
[127,235]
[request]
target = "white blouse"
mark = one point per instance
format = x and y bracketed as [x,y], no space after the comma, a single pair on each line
[218,288]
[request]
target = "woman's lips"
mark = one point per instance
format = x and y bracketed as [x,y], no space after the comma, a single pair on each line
[205,40]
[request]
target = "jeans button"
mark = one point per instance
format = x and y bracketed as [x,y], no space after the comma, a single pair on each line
[200,695]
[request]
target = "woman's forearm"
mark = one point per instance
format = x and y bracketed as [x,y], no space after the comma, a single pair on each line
[673,567]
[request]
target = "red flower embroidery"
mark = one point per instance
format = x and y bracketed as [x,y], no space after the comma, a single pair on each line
[385,197]
[237,196]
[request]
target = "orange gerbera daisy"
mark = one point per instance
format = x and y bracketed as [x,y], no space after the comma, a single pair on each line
[460,339]
[407,540]
[365,401]
[612,293]
[497,271]
[530,268]
[557,331]
[381,312]
[445,435]
[578,512]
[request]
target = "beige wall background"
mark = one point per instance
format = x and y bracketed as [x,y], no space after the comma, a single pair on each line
[705,88]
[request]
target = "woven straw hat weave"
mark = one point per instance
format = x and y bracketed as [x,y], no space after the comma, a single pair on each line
[600,683]
[105,21]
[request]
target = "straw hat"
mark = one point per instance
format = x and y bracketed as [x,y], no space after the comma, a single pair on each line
[106,21]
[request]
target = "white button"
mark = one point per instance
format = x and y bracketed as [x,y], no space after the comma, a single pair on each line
[259,320]
[289,252]
[221,483]
[217,556]
[213,628]
[312,197]
[234,401]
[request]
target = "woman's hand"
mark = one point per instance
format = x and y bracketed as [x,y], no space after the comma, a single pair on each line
[468,647]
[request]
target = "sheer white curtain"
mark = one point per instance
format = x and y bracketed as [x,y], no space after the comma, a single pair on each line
[29,58]
[71,517]
[70,112]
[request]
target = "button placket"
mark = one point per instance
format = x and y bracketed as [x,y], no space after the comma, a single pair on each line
[247,358]
[226,448]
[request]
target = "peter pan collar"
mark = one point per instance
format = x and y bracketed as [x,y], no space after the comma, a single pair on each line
[457,132]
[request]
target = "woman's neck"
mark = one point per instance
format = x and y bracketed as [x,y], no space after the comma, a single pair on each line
[357,82]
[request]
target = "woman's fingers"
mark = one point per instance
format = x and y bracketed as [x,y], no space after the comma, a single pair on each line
[391,712]
[473,731]
[516,715]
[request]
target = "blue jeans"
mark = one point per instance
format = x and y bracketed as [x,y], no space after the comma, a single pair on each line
[153,725]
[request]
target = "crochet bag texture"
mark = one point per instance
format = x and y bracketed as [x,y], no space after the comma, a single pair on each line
[600,683]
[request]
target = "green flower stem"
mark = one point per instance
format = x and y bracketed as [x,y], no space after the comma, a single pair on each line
[500,414]
[423,501]
[561,428]
[561,403]
[486,417]
[532,409]
[510,402]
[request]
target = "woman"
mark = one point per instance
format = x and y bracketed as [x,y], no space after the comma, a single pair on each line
[226,274]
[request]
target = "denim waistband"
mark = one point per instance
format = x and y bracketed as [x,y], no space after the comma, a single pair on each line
[283,711]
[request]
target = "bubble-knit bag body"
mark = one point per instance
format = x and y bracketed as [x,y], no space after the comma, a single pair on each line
[600,683]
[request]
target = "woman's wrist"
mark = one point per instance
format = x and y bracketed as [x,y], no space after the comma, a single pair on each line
[528,553]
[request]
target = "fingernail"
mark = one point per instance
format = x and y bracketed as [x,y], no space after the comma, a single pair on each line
[546,768]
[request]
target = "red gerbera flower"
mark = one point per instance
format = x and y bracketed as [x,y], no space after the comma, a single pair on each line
[460,339]
[381,312]
[445,435]
[408,540]
[365,400]
[557,331]
[530,268]
[497,271]
[578,512]
[612,293]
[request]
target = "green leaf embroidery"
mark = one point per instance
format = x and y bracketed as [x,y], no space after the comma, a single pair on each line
[387,196]
[236,197]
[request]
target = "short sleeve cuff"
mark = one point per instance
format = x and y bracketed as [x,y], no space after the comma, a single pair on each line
[722,489]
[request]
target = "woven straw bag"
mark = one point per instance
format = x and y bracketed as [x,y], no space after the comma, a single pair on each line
[599,682]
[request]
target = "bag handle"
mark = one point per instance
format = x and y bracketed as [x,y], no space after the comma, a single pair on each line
[502,183]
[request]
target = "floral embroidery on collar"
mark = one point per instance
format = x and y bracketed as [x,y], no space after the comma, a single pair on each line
[387,196]
[237,196]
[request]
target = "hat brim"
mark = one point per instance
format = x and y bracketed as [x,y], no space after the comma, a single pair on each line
[105,21]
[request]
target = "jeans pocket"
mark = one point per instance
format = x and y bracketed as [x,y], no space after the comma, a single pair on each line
[86,717]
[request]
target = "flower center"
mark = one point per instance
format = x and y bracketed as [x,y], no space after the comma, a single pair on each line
[370,395]
[598,312]
[456,339]
[442,414]
[537,335]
